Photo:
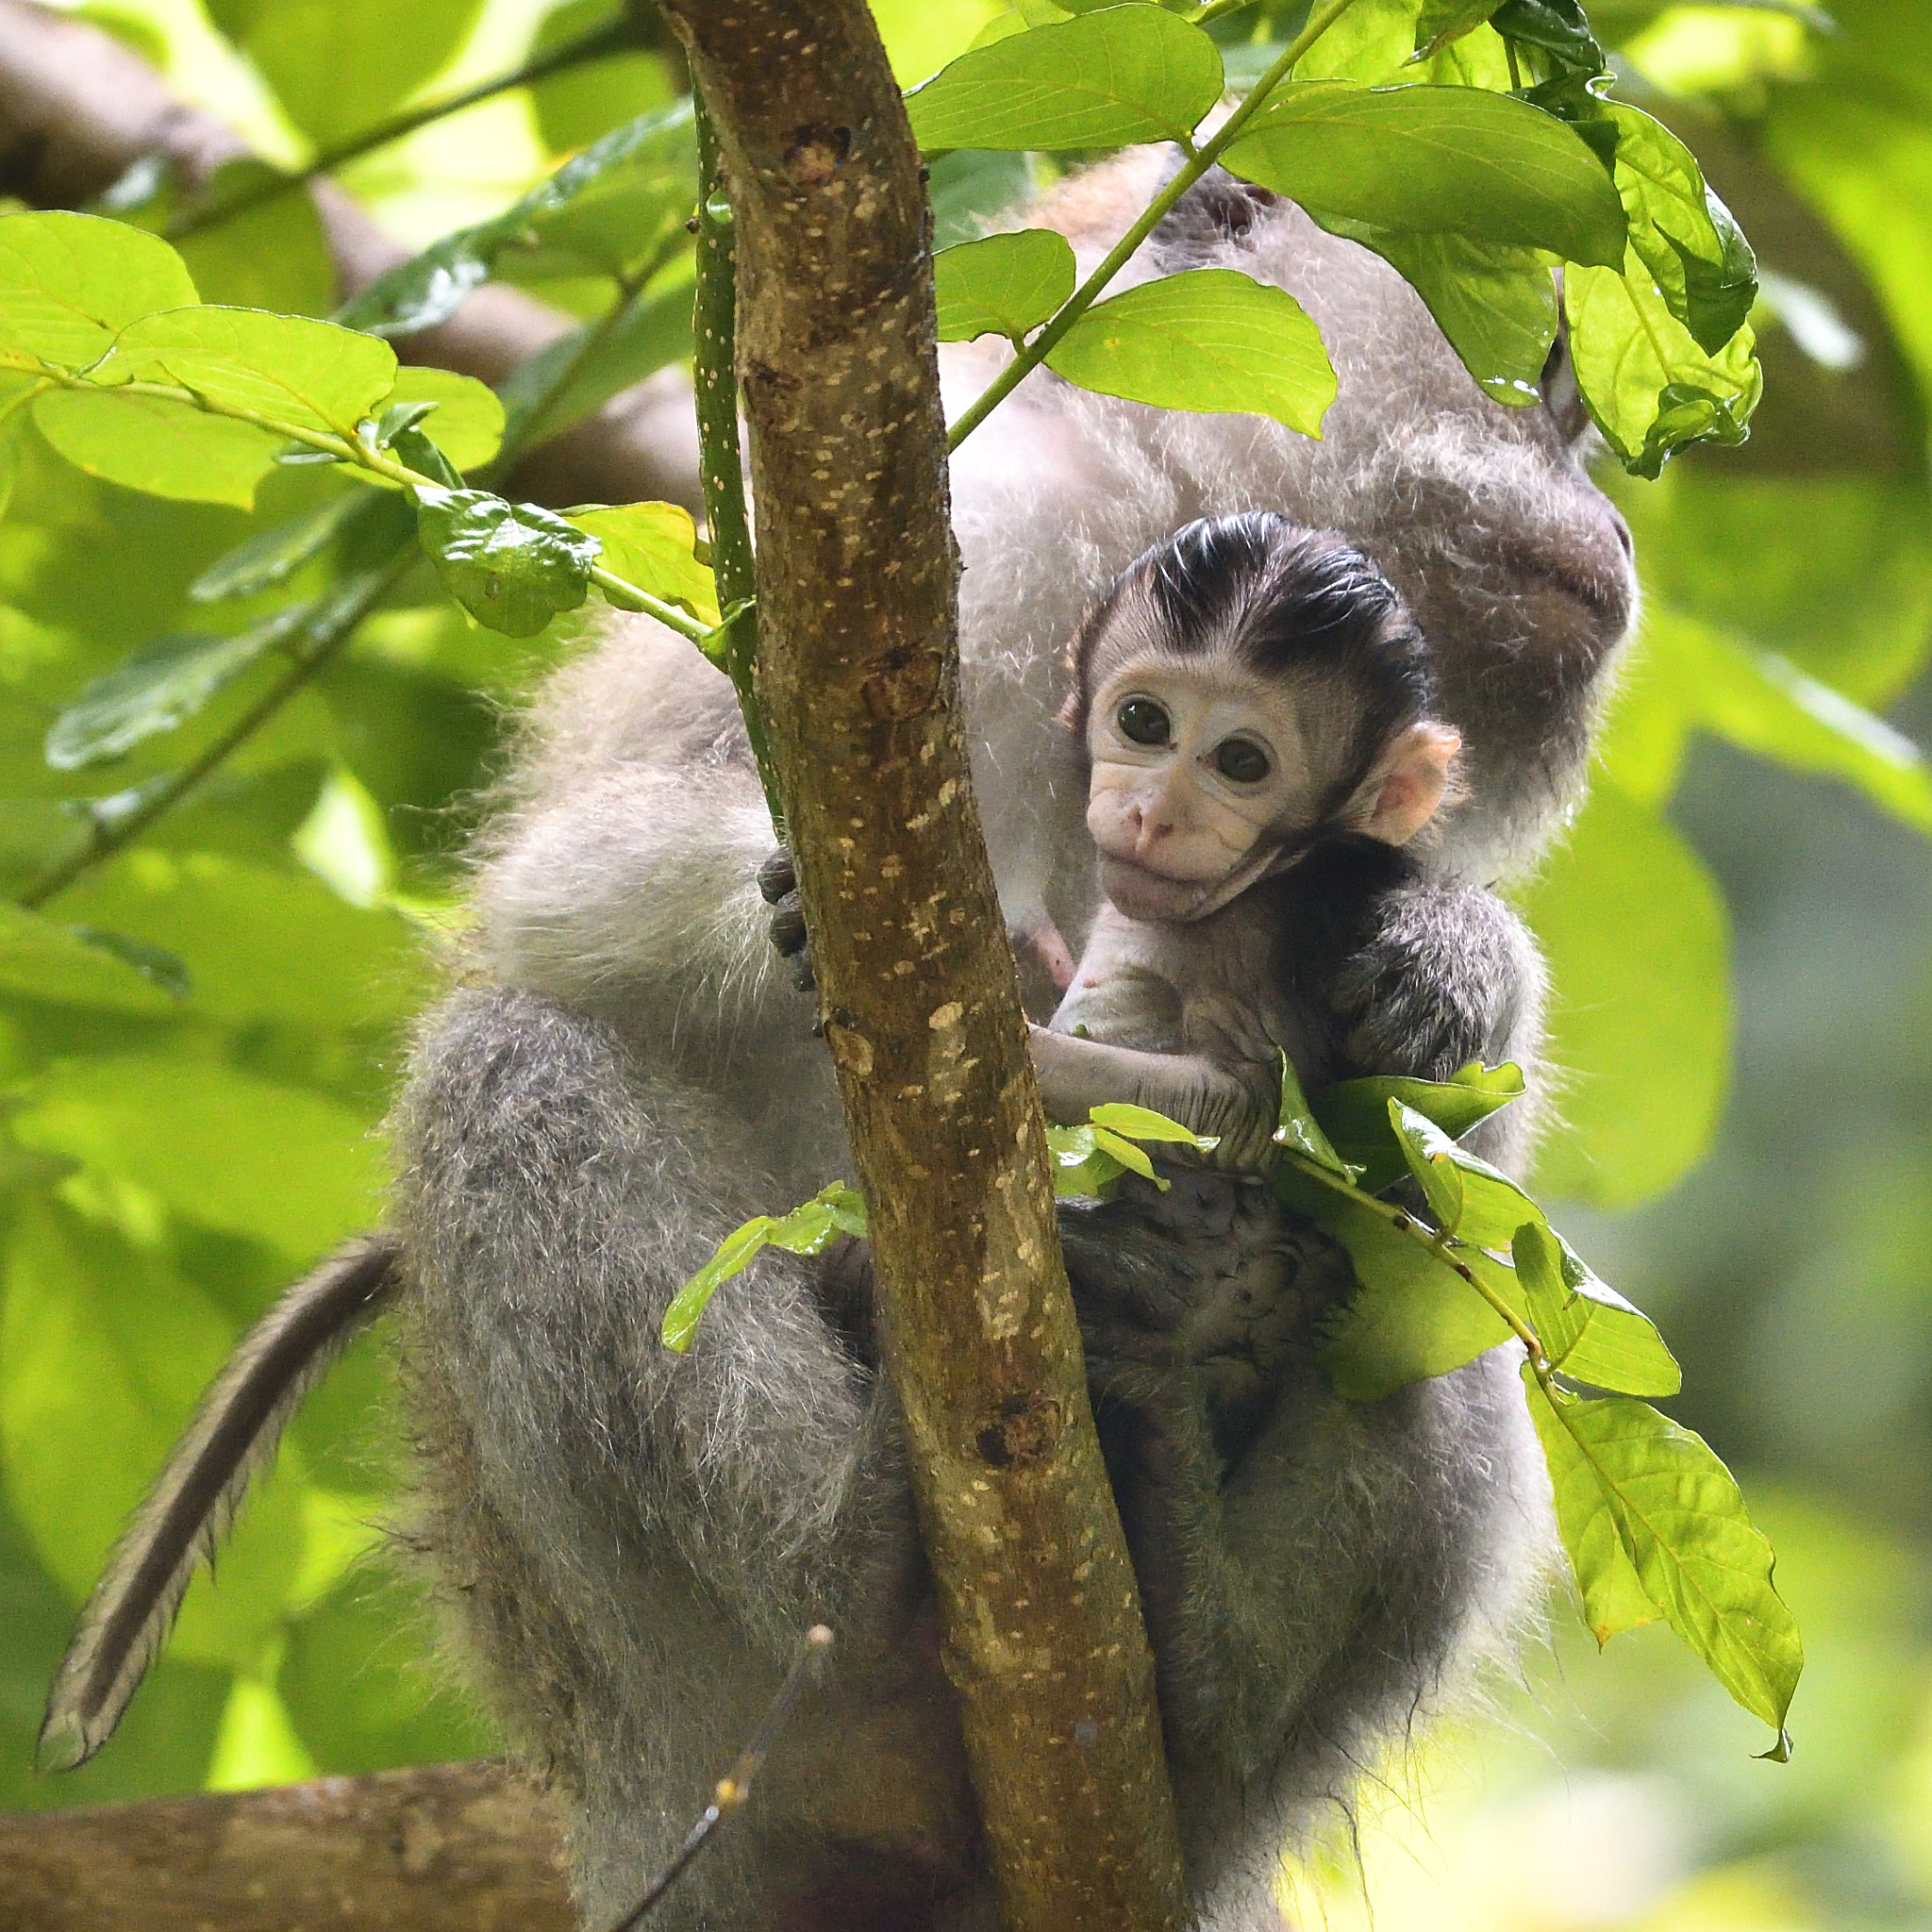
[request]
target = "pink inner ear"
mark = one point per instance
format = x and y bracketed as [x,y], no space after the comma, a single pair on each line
[1417,783]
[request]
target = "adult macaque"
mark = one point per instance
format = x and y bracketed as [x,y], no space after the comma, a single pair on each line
[629,1542]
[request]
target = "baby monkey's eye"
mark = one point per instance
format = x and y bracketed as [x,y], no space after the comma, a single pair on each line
[1241,759]
[1144,722]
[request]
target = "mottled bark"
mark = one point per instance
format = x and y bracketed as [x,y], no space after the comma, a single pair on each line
[857,671]
[446,1848]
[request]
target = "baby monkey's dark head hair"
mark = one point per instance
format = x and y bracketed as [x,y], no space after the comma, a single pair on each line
[1282,599]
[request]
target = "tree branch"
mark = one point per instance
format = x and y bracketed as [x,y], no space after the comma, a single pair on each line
[78,109]
[445,1848]
[857,672]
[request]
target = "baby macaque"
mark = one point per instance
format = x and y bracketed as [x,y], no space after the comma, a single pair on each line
[1254,702]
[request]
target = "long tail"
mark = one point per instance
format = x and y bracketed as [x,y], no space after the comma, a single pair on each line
[183,1517]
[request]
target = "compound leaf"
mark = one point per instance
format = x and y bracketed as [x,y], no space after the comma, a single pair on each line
[70,283]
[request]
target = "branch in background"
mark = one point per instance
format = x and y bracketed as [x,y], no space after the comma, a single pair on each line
[921,1009]
[443,1848]
[78,109]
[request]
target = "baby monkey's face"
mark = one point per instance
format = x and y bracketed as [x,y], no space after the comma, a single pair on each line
[1206,776]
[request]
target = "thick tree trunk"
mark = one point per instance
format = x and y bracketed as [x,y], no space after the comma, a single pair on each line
[446,1848]
[858,669]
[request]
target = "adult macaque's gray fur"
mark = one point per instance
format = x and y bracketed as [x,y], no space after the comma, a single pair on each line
[632,1541]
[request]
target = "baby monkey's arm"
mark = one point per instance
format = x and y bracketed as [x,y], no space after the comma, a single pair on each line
[1239,1108]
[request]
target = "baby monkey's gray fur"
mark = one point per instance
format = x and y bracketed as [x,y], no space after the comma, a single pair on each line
[629,1542]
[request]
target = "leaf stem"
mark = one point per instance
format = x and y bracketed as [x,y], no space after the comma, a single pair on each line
[627,597]
[714,376]
[1083,298]
[1442,1247]
[618,37]
[327,636]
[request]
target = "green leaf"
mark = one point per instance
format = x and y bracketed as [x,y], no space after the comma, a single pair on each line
[652,546]
[1006,285]
[806,1230]
[1695,676]
[1440,21]
[970,187]
[1679,1517]
[1588,1330]
[1082,1169]
[277,553]
[1614,1599]
[103,1352]
[1143,1123]
[302,1175]
[289,369]
[1495,304]
[1431,1156]
[1355,1114]
[467,422]
[1681,232]
[1650,388]
[1411,1317]
[1125,74]
[1207,339]
[609,209]
[264,944]
[1437,160]
[336,66]
[159,447]
[43,959]
[511,566]
[1123,1151]
[161,686]
[154,964]
[1635,931]
[70,283]
[1298,1129]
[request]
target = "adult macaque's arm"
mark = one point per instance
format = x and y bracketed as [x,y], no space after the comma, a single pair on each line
[78,109]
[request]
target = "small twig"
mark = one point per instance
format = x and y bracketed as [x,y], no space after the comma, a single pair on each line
[619,36]
[1083,298]
[734,1787]
[715,379]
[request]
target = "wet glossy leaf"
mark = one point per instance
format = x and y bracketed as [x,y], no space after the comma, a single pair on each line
[1650,388]
[1355,1114]
[1681,1522]
[70,283]
[1431,1156]
[1143,1123]
[1681,232]
[511,566]
[1125,74]
[1206,340]
[1435,161]
[1440,21]
[1298,1129]
[1006,285]
[161,686]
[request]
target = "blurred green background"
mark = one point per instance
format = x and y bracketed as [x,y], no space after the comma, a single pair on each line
[1740,926]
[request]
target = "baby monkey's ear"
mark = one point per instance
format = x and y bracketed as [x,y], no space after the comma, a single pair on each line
[1418,775]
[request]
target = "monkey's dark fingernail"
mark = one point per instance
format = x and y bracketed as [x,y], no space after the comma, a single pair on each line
[776,877]
[788,929]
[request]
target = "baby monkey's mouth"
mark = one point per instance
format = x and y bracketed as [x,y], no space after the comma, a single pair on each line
[1139,891]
